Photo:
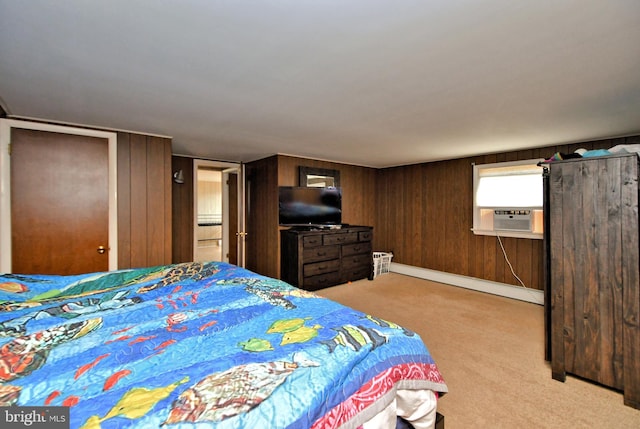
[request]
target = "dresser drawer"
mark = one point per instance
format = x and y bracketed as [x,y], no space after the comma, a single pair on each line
[365,235]
[355,273]
[321,253]
[354,249]
[340,238]
[321,281]
[321,267]
[312,241]
[353,261]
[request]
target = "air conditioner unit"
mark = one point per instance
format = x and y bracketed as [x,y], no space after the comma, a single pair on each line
[512,220]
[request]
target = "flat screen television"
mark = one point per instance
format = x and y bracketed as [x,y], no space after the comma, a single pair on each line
[302,206]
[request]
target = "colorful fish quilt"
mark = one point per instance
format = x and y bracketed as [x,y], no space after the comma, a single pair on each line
[197,345]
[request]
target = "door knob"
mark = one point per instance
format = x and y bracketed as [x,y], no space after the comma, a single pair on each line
[101,249]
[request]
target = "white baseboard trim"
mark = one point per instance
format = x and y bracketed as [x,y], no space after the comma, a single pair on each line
[502,289]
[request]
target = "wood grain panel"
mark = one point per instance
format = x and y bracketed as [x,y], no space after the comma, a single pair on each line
[144,226]
[182,211]
[124,200]
[155,186]
[139,197]
[168,204]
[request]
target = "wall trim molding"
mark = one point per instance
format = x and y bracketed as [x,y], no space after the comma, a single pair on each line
[534,296]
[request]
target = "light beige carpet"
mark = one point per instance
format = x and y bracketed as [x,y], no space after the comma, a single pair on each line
[490,351]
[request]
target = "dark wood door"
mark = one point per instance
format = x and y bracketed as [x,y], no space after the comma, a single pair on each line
[233,218]
[59,202]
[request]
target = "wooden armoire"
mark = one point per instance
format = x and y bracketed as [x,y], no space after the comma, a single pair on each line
[593,292]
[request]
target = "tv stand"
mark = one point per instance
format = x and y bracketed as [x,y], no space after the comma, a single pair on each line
[315,259]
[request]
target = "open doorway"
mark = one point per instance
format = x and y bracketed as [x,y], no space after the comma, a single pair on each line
[218,212]
[208,214]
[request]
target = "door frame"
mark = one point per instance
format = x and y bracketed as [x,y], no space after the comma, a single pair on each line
[226,168]
[5,183]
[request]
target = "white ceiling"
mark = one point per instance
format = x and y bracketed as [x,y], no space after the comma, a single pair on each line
[367,82]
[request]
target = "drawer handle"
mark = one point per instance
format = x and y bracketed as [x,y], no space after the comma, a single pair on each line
[341,238]
[355,249]
[321,253]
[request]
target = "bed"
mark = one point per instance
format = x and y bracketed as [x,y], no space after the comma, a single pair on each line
[198,345]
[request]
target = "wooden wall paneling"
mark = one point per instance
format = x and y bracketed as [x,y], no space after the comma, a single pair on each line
[437,208]
[182,211]
[430,240]
[632,140]
[144,224]
[394,221]
[476,247]
[158,190]
[382,212]
[490,247]
[410,214]
[458,225]
[510,249]
[168,204]
[124,200]
[399,208]
[367,179]
[415,218]
[352,198]
[288,170]
[391,211]
[138,200]
[371,200]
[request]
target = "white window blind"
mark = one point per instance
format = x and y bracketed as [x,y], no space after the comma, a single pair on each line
[509,186]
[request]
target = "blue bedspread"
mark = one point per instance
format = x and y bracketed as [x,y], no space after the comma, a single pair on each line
[208,343]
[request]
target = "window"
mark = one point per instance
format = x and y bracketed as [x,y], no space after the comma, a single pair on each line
[508,199]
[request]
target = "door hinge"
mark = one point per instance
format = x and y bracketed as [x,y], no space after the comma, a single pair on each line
[9,149]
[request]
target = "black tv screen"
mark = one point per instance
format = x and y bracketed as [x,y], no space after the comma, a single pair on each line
[310,206]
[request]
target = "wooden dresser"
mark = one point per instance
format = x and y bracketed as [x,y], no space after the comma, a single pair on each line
[594,274]
[314,259]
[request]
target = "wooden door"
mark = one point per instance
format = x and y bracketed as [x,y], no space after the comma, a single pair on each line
[59,203]
[233,218]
